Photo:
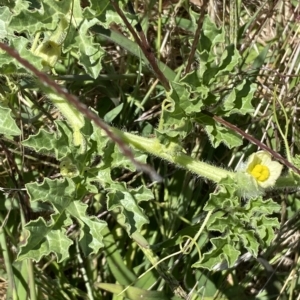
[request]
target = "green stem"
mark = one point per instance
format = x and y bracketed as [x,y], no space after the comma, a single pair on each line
[84,273]
[35,41]
[171,154]
[8,265]
[31,277]
[200,231]
[163,271]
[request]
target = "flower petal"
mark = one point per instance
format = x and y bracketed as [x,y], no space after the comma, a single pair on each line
[263,169]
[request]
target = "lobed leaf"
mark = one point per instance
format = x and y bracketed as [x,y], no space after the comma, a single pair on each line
[44,238]
[90,228]
[40,18]
[8,125]
[126,202]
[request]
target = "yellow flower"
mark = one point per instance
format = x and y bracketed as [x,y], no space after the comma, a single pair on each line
[263,169]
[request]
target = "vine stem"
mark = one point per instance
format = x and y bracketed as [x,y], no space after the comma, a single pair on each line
[173,155]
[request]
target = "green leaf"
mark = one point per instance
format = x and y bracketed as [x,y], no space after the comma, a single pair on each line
[218,134]
[59,192]
[112,157]
[112,114]
[211,31]
[262,207]
[249,241]
[41,142]
[173,117]
[104,11]
[188,103]
[210,36]
[239,225]
[90,228]
[119,269]
[266,229]
[5,17]
[60,143]
[258,211]
[219,221]
[90,52]
[133,293]
[239,99]
[119,160]
[45,18]
[126,202]
[44,239]
[8,125]
[229,59]
[231,254]
[64,142]
[221,250]
[100,138]
[10,66]
[224,196]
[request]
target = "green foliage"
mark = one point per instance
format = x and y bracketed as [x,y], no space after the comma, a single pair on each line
[244,226]
[76,205]
[51,237]
[196,91]
[45,17]
[65,195]
[46,238]
[134,293]
[7,123]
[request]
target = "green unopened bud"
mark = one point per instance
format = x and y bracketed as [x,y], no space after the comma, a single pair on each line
[49,51]
[67,168]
